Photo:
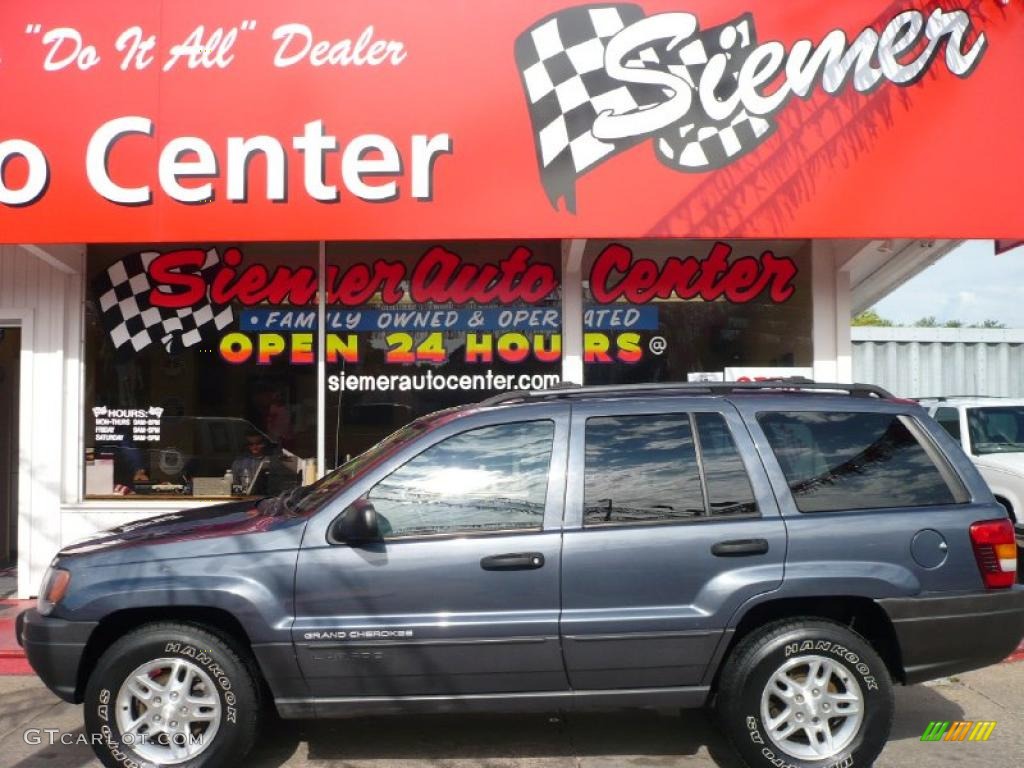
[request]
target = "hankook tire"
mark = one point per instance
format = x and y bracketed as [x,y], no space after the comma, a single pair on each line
[805,693]
[172,694]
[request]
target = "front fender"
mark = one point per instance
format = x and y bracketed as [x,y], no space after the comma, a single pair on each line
[256,605]
[251,577]
[257,592]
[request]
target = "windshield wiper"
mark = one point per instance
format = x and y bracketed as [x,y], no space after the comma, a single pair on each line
[293,496]
[284,499]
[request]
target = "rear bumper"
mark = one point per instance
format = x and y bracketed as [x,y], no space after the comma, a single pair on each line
[54,648]
[941,636]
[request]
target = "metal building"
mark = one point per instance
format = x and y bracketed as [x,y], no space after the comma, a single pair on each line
[931,362]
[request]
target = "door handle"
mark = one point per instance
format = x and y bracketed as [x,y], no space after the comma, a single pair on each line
[740,548]
[514,561]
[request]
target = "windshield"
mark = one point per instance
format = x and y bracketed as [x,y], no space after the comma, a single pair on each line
[308,499]
[997,429]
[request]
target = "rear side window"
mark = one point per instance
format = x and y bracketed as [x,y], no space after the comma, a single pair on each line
[836,461]
[647,469]
[729,490]
[641,469]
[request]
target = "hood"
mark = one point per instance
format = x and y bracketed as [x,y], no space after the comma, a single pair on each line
[1002,462]
[218,521]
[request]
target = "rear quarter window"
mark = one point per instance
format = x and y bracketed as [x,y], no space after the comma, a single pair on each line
[949,420]
[858,460]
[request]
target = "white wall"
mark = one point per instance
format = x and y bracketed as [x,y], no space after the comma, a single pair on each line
[44,298]
[831,286]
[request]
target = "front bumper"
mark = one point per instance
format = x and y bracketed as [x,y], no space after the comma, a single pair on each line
[941,636]
[54,648]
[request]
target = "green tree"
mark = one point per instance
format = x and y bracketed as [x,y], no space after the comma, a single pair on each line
[953,324]
[989,324]
[927,322]
[870,317]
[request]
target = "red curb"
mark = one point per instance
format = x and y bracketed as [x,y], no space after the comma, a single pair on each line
[15,667]
[12,656]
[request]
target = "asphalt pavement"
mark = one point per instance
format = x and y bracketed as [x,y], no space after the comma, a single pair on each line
[606,740]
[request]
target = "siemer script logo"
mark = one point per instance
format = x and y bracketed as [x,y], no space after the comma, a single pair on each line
[602,78]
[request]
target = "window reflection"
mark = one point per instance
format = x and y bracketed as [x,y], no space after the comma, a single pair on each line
[996,430]
[729,491]
[835,461]
[487,479]
[640,469]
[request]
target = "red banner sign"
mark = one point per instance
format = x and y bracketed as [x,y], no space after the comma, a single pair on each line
[398,120]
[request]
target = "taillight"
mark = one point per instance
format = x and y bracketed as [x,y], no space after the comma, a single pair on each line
[996,551]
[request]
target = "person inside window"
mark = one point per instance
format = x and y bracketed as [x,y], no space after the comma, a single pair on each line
[263,468]
[249,471]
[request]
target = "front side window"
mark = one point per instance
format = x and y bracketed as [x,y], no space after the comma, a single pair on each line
[837,461]
[996,430]
[487,479]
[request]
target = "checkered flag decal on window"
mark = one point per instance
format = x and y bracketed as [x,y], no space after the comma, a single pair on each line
[122,293]
[562,63]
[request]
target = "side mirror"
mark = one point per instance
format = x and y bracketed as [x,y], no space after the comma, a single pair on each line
[358,524]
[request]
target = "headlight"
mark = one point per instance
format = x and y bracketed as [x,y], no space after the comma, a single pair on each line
[55,586]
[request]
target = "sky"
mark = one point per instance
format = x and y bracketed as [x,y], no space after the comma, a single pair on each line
[970,284]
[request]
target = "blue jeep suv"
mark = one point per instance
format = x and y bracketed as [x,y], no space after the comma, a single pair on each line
[782,552]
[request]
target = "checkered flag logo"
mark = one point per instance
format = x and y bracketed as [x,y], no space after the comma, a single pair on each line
[133,322]
[562,63]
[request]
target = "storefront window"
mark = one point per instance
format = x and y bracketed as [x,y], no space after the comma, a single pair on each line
[414,327]
[186,393]
[669,310]
[201,375]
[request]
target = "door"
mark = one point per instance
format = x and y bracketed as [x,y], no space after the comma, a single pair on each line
[10,355]
[670,527]
[462,595]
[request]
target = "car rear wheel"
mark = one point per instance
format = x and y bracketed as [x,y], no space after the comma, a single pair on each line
[170,694]
[806,693]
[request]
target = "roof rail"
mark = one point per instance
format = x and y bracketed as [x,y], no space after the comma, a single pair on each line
[574,391]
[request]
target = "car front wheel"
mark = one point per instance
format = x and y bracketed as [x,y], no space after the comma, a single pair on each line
[170,694]
[805,693]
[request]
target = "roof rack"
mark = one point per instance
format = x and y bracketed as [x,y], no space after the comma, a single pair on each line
[575,391]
